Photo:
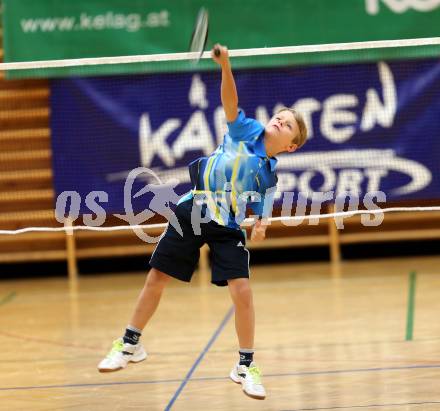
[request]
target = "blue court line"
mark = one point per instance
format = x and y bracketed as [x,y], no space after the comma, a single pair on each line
[353,370]
[104,384]
[200,357]
[351,407]
[291,374]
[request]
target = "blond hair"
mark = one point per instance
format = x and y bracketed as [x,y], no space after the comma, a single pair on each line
[301,138]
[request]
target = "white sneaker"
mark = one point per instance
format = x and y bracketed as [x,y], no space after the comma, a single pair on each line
[250,380]
[120,355]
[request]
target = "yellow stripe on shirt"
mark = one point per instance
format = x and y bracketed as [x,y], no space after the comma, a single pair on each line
[234,177]
[212,204]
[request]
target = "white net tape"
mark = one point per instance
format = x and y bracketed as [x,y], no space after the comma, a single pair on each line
[266,51]
[248,221]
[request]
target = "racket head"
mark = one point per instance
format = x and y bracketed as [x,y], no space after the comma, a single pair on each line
[199,36]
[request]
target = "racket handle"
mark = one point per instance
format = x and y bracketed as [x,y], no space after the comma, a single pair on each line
[217,51]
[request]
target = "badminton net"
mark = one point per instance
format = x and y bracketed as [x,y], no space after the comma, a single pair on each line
[74,132]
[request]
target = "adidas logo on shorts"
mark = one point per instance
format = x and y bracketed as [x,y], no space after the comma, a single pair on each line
[240,244]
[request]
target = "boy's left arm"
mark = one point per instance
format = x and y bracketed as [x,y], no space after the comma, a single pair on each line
[263,209]
[259,230]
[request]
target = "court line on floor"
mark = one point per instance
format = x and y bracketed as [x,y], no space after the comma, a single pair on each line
[355,370]
[200,357]
[49,342]
[9,297]
[198,379]
[104,384]
[293,346]
[351,407]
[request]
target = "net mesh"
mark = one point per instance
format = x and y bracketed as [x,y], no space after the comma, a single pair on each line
[81,138]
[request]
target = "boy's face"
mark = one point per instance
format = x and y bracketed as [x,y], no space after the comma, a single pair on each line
[282,130]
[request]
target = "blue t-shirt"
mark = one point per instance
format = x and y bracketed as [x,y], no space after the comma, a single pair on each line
[238,173]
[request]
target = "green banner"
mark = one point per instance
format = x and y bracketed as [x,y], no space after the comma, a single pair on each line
[59,29]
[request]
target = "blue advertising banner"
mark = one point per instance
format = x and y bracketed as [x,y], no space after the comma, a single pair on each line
[372,127]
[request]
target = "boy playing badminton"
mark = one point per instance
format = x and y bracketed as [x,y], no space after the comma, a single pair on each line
[245,162]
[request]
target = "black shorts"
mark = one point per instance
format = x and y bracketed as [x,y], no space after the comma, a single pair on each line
[178,255]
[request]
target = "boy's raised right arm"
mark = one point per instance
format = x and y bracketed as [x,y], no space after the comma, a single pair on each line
[228,89]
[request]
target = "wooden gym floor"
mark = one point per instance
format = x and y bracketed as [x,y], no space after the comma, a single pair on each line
[324,342]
